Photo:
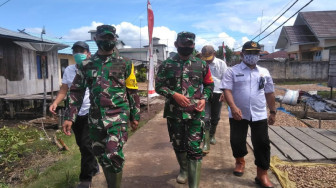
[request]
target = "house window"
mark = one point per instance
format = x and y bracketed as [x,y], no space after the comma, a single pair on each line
[318,56]
[64,64]
[39,66]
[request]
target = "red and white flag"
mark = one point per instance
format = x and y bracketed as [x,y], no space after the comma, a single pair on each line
[150,18]
[224,51]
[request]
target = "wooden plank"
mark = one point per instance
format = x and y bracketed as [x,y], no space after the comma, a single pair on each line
[284,147]
[326,133]
[332,130]
[319,137]
[305,150]
[311,142]
[274,150]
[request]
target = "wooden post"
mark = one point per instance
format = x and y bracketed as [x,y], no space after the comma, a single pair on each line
[319,122]
[11,109]
[43,56]
[305,108]
[52,87]
[331,93]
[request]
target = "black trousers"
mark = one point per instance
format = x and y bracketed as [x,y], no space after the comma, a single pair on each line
[89,165]
[212,113]
[259,137]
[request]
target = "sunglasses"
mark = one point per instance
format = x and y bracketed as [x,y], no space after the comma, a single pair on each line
[261,83]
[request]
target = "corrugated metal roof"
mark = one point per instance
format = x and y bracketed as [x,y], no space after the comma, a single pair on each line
[92,45]
[299,34]
[5,33]
[322,23]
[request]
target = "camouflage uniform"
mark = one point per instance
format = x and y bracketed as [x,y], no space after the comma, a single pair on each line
[114,101]
[185,125]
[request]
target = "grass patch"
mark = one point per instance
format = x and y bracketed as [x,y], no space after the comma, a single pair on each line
[17,146]
[326,94]
[64,173]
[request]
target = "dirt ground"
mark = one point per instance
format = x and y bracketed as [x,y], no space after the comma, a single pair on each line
[44,160]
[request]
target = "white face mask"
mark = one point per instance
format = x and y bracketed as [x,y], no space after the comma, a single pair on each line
[251,59]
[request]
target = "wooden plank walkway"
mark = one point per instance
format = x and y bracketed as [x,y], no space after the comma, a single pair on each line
[300,144]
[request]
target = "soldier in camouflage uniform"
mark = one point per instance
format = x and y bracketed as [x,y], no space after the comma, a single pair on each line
[114,100]
[180,80]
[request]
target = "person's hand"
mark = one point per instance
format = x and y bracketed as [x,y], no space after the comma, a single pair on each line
[181,100]
[52,108]
[67,127]
[200,105]
[222,98]
[236,113]
[271,119]
[134,125]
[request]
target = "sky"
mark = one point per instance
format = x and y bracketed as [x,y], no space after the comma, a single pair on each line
[213,21]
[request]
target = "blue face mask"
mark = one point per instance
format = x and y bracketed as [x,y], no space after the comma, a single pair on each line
[79,57]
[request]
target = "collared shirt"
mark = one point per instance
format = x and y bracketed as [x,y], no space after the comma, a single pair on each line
[187,78]
[217,68]
[68,77]
[244,84]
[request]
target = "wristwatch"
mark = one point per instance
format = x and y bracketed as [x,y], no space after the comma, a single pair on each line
[272,112]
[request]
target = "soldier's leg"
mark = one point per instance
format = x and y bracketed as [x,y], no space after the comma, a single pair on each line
[216,107]
[206,139]
[176,131]
[194,133]
[89,165]
[107,146]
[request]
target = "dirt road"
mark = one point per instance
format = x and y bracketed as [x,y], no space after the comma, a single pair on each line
[151,162]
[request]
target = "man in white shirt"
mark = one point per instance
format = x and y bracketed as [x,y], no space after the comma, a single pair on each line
[214,105]
[89,165]
[248,88]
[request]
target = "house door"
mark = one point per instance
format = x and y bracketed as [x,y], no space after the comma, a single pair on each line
[332,68]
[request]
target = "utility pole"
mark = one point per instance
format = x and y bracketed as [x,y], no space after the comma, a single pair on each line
[262,14]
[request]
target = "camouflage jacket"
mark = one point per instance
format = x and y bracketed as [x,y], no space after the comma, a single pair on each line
[191,78]
[113,90]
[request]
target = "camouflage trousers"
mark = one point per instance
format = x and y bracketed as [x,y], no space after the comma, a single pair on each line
[108,144]
[186,136]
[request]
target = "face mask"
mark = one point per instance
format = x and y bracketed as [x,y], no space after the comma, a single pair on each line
[79,57]
[185,51]
[106,45]
[251,59]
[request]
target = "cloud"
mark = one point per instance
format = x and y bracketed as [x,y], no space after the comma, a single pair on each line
[129,34]
[82,33]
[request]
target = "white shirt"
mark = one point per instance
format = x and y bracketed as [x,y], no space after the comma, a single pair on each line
[217,69]
[244,84]
[68,77]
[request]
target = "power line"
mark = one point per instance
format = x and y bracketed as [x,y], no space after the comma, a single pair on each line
[4,3]
[274,16]
[276,19]
[287,20]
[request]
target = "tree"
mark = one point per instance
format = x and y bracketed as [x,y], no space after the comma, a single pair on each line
[228,53]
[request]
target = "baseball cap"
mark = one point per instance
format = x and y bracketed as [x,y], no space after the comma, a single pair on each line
[81,44]
[186,37]
[106,30]
[251,45]
[207,52]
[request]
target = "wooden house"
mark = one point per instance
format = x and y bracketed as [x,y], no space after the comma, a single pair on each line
[23,60]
